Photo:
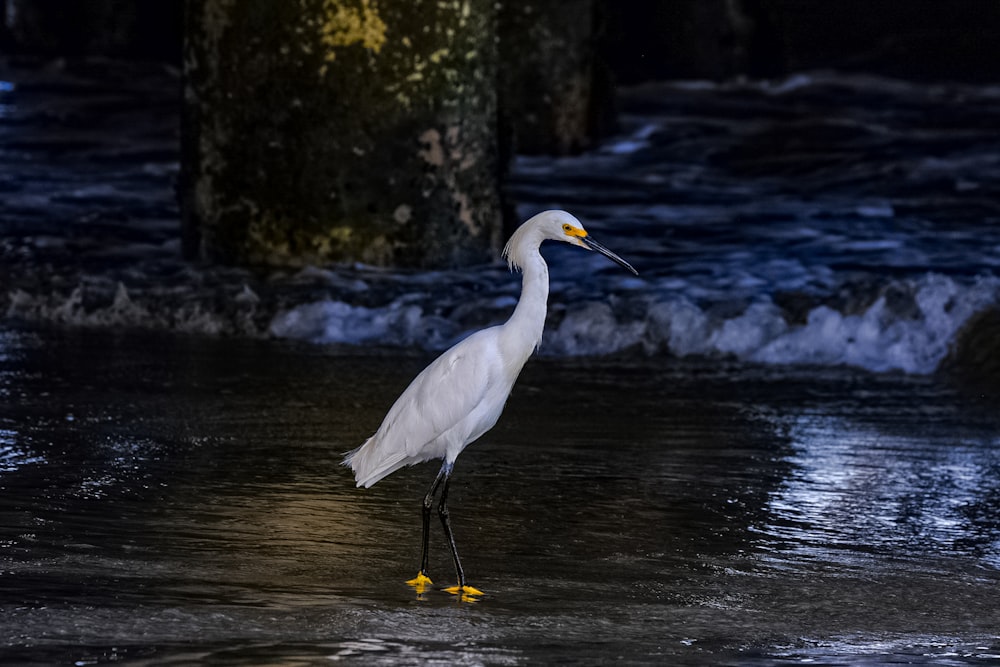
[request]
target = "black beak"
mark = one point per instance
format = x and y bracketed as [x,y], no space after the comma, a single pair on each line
[597,247]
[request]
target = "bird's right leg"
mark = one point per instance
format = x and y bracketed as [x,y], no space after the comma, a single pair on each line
[421,581]
[463,590]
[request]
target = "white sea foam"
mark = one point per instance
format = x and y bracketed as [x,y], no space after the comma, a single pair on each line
[907,325]
[147,311]
[338,322]
[884,336]
[590,329]
[879,338]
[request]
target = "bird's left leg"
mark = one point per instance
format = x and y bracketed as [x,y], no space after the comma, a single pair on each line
[461,589]
[421,581]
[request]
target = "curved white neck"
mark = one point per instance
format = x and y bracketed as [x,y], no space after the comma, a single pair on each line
[525,326]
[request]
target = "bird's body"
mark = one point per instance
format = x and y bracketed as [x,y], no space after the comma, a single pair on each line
[453,401]
[461,394]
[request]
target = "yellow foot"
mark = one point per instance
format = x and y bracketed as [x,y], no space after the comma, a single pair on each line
[420,582]
[467,593]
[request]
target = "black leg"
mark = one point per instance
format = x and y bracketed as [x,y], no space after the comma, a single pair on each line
[443,513]
[420,582]
[428,505]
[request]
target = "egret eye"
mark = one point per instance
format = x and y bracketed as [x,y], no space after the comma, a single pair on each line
[567,228]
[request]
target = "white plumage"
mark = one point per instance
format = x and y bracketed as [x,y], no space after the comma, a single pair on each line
[452,402]
[461,394]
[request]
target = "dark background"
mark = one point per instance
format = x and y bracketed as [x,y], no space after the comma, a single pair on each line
[637,40]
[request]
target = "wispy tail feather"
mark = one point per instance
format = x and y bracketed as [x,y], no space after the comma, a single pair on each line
[369,467]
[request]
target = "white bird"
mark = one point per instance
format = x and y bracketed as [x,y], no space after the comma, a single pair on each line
[461,394]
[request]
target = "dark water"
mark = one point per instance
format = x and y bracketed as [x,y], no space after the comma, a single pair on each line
[732,487]
[167,499]
[819,220]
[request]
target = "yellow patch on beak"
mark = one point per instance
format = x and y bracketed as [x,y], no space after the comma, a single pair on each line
[575,232]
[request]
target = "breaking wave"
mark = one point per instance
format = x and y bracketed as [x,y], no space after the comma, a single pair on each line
[909,327]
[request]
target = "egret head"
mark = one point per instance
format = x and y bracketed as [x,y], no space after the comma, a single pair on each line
[556,226]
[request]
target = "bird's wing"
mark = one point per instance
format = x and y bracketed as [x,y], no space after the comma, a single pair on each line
[444,398]
[453,401]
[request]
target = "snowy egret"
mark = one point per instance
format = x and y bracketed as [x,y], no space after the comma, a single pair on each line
[461,394]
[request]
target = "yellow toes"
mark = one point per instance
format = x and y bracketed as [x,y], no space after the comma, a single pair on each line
[463,591]
[420,582]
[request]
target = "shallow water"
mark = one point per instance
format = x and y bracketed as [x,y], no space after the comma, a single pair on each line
[168,499]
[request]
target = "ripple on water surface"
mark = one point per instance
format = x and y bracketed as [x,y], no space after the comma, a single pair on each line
[194,509]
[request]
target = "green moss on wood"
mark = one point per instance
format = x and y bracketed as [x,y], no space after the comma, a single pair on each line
[310,131]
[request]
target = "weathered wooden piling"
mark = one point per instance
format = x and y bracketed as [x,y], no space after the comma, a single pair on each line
[555,97]
[340,130]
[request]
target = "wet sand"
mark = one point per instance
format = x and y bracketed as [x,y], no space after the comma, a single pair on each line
[170,499]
